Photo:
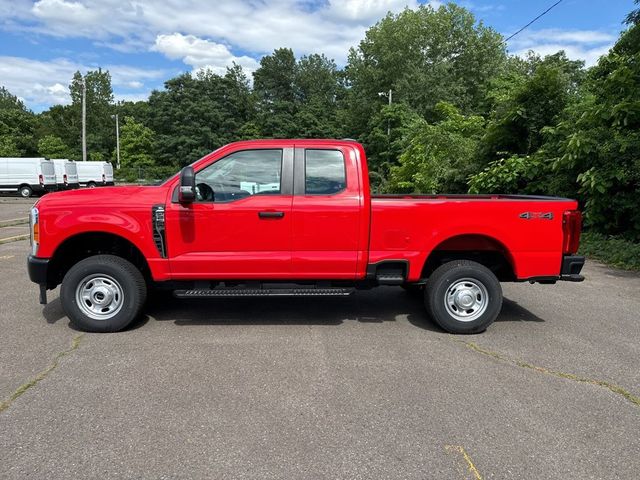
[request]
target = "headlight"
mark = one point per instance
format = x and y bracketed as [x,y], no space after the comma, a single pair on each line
[34,230]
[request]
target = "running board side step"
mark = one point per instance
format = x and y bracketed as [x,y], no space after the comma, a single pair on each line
[263,292]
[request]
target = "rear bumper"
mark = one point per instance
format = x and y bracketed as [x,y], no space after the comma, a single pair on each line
[39,188]
[68,186]
[571,268]
[109,184]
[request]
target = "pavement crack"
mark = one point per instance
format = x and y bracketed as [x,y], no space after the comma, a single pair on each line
[471,466]
[75,343]
[618,390]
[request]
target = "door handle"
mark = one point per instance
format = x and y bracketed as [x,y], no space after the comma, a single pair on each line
[271,214]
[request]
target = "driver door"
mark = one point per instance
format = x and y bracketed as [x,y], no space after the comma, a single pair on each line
[239,227]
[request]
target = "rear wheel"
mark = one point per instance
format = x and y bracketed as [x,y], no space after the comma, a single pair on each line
[103,293]
[91,185]
[463,296]
[25,191]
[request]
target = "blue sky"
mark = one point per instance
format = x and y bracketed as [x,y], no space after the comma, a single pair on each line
[144,42]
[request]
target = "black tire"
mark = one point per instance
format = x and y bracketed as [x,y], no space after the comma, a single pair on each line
[126,276]
[25,191]
[473,277]
[91,185]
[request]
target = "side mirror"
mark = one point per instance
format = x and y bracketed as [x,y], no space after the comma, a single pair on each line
[187,188]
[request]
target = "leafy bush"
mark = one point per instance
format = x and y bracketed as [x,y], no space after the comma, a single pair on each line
[438,157]
[516,174]
[614,251]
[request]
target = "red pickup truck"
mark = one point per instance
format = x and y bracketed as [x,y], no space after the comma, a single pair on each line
[293,217]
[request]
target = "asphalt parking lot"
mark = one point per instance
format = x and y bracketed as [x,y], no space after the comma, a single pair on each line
[359,387]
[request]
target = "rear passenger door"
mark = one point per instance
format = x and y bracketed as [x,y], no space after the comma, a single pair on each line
[326,213]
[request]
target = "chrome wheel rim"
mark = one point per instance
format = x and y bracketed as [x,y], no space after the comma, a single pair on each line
[99,296]
[466,299]
[25,192]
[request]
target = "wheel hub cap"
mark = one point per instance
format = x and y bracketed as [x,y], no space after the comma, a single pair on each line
[466,299]
[99,296]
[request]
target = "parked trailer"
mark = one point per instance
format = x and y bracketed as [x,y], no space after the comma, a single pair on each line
[27,176]
[66,174]
[94,174]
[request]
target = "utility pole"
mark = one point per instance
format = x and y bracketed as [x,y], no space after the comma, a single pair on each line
[117,141]
[84,120]
[389,95]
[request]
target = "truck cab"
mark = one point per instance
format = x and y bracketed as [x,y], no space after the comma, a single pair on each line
[294,217]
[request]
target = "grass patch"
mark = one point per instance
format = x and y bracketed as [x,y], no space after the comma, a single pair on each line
[613,251]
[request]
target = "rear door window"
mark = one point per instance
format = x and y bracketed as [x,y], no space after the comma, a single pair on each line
[47,168]
[324,172]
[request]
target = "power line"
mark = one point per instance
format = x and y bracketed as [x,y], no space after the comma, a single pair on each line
[532,21]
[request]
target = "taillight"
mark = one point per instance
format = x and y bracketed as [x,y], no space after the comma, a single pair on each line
[103,178]
[41,179]
[64,178]
[571,227]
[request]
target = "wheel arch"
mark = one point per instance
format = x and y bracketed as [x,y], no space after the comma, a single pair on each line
[479,247]
[86,244]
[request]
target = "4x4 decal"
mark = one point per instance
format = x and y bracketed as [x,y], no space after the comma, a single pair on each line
[537,215]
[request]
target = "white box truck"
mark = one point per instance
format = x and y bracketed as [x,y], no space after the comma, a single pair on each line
[94,174]
[27,176]
[66,173]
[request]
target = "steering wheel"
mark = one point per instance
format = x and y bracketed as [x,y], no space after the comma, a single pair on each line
[204,192]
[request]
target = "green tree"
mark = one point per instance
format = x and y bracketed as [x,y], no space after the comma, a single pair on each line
[196,114]
[17,126]
[438,156]
[319,88]
[8,147]
[136,144]
[602,140]
[8,101]
[274,88]
[424,56]
[528,97]
[100,127]
[51,146]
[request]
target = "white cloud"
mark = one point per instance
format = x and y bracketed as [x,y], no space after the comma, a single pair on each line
[131,97]
[250,26]
[64,11]
[43,83]
[366,10]
[200,53]
[587,45]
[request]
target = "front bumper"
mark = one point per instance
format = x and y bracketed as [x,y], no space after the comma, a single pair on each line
[571,268]
[38,269]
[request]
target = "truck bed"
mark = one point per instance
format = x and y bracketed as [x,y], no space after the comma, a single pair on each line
[528,229]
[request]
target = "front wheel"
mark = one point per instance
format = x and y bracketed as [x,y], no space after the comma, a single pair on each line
[103,293]
[463,296]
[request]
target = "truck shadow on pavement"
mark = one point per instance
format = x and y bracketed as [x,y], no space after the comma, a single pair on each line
[376,306]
